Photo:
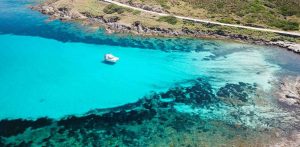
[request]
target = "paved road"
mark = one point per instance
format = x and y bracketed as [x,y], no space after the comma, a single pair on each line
[206,21]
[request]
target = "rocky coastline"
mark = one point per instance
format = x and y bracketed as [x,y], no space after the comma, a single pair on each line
[112,25]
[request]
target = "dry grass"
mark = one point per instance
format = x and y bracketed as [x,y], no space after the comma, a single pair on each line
[94,7]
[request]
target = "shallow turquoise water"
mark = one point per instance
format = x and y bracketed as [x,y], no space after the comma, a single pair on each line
[56,79]
[55,69]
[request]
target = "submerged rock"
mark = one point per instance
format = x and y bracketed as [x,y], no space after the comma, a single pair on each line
[1,142]
[241,92]
[18,126]
[106,120]
[199,94]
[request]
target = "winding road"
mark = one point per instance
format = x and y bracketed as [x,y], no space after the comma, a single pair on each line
[207,21]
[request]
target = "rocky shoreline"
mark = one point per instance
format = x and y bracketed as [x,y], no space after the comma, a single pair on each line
[112,25]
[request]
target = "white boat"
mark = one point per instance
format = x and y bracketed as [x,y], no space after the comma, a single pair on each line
[110,58]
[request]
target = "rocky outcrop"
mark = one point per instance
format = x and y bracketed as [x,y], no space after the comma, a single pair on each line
[62,13]
[288,45]
[112,19]
[47,10]
[289,91]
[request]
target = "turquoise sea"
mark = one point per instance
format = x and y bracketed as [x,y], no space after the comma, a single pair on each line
[54,69]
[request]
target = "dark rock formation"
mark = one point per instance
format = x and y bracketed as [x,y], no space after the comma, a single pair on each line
[237,91]
[138,27]
[1,142]
[199,94]
[107,120]
[17,126]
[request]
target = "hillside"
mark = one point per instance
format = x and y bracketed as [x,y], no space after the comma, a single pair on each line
[279,14]
[115,18]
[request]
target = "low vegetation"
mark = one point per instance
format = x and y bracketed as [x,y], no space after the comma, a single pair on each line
[285,25]
[169,19]
[136,12]
[112,8]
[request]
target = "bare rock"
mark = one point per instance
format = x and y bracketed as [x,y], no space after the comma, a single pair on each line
[76,15]
[289,91]
[47,10]
[292,141]
[138,26]
[112,19]
[118,27]
[288,45]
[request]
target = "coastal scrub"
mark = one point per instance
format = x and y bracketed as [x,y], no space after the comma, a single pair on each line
[169,19]
[112,8]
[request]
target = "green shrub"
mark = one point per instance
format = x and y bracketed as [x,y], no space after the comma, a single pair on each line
[112,8]
[136,12]
[290,26]
[227,20]
[255,7]
[169,19]
[164,4]
[220,4]
[285,25]
[250,18]
[188,22]
[286,11]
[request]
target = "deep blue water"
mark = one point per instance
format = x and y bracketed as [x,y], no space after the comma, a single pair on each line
[53,68]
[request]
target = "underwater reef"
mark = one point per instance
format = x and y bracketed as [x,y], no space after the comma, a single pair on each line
[192,113]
